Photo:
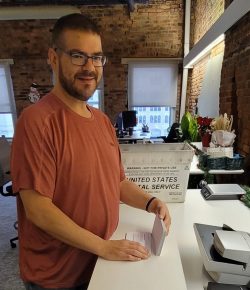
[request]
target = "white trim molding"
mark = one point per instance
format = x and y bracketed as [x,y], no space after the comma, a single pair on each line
[7,61]
[36,12]
[154,59]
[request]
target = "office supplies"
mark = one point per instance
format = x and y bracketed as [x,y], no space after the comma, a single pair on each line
[152,241]
[225,253]
[222,191]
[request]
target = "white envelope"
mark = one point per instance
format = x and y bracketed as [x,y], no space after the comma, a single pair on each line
[152,241]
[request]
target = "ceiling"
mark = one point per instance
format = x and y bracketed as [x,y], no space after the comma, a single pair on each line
[130,3]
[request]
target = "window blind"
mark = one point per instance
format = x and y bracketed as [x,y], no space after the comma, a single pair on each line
[152,84]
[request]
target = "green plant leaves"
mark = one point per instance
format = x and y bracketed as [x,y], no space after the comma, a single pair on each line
[189,127]
[246,197]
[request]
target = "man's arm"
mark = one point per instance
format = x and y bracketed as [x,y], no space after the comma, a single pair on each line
[133,195]
[44,214]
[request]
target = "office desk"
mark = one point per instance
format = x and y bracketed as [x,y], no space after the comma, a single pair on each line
[150,274]
[137,135]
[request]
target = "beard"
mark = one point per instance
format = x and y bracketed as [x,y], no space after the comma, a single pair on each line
[69,86]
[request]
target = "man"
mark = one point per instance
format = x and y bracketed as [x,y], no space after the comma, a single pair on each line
[66,167]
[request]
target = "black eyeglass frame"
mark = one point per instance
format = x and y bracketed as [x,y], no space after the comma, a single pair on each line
[84,57]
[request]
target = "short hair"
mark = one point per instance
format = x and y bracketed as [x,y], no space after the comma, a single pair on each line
[74,21]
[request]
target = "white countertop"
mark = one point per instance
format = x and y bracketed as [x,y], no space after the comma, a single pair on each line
[157,272]
[166,272]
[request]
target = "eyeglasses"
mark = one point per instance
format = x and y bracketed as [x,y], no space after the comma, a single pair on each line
[80,58]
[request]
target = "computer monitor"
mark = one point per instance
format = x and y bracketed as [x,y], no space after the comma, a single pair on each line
[129,119]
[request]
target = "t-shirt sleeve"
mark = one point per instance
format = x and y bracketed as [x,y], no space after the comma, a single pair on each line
[33,163]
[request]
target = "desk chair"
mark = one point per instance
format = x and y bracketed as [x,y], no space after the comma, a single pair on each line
[174,135]
[5,183]
[6,190]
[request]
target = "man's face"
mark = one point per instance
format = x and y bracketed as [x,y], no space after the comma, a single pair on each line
[79,82]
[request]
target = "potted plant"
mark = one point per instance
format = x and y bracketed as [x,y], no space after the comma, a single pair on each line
[204,128]
[189,127]
[223,135]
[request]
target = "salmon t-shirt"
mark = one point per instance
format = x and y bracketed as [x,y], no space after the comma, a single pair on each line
[76,162]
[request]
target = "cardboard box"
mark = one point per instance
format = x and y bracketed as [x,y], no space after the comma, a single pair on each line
[160,169]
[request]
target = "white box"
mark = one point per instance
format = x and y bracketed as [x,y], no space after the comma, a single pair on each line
[216,152]
[160,169]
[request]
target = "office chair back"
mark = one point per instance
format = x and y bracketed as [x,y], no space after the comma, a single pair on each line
[4,161]
[173,135]
[5,180]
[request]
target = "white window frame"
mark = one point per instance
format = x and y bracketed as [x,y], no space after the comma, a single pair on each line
[100,91]
[5,64]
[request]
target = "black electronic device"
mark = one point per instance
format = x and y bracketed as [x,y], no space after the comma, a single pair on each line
[221,286]
[222,191]
[129,119]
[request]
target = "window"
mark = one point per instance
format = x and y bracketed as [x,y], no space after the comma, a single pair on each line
[7,102]
[152,88]
[97,100]
[155,119]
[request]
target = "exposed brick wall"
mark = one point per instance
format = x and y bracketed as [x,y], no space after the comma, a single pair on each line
[218,49]
[152,30]
[235,75]
[235,81]
[204,14]
[197,76]
[26,42]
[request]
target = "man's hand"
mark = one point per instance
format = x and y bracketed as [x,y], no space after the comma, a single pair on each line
[159,207]
[123,250]
[133,195]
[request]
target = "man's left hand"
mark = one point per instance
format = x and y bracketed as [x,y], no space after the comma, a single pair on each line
[159,207]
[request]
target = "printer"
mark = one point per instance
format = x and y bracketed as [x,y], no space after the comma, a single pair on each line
[225,253]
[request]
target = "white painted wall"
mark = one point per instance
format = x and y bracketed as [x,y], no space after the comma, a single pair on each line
[208,101]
